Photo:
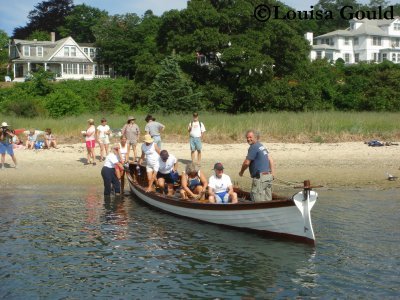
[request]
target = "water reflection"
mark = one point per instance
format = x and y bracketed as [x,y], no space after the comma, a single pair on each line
[65,243]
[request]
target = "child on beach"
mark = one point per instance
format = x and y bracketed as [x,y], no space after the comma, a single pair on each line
[49,139]
[32,136]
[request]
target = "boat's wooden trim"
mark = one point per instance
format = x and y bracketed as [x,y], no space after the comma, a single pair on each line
[209,206]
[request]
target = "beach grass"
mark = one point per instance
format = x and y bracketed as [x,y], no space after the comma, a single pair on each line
[317,127]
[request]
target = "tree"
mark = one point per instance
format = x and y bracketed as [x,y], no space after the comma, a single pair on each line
[39,36]
[115,37]
[3,54]
[80,22]
[47,16]
[172,91]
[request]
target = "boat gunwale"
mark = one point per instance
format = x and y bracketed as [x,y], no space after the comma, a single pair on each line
[211,206]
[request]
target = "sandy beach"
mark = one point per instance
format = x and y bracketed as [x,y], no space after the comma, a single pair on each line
[336,165]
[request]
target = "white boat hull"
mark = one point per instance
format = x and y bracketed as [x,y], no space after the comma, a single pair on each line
[286,220]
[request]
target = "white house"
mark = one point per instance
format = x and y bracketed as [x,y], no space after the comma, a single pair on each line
[65,58]
[364,40]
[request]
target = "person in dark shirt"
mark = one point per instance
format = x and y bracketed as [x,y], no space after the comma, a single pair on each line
[261,167]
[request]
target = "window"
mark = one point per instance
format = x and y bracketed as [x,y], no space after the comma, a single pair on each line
[329,56]
[376,57]
[39,51]
[91,52]
[74,68]
[346,41]
[393,57]
[398,57]
[73,51]
[384,56]
[395,42]
[396,26]
[85,69]
[356,57]
[86,50]
[319,54]
[66,51]
[27,51]
[355,41]
[68,68]
[376,41]
[347,57]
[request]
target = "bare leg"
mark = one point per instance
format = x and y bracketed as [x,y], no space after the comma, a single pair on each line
[192,155]
[106,148]
[134,152]
[101,151]
[14,160]
[129,149]
[199,157]
[3,159]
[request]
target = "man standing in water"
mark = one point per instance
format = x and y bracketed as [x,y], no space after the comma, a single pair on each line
[261,167]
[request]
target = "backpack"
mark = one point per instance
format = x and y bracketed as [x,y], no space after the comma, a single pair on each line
[191,125]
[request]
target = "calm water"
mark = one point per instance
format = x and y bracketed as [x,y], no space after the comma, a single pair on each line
[64,243]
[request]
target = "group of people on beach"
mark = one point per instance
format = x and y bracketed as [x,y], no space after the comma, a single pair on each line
[11,139]
[162,167]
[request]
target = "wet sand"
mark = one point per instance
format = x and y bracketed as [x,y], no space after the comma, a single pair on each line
[335,165]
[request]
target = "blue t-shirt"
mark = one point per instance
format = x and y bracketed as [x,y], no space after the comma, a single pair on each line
[258,155]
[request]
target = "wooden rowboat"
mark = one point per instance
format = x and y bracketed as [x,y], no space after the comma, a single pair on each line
[283,217]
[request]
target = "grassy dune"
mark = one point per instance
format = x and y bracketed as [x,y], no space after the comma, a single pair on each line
[316,127]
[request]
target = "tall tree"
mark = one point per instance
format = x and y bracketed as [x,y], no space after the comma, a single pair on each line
[3,54]
[39,35]
[79,23]
[47,16]
[172,90]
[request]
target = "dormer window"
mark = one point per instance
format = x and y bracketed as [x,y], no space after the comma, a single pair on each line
[73,51]
[86,50]
[39,51]
[66,51]
[27,51]
[396,26]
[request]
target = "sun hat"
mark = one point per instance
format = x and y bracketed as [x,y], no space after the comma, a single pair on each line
[90,121]
[218,166]
[164,154]
[148,138]
[4,124]
[131,118]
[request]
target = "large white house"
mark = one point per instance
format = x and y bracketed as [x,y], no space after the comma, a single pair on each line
[365,40]
[65,58]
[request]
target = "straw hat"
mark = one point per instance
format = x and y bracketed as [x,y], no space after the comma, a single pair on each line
[4,124]
[131,118]
[148,139]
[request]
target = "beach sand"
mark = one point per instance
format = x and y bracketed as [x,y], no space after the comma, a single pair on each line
[335,165]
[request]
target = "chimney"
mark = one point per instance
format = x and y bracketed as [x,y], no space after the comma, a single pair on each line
[53,36]
[309,36]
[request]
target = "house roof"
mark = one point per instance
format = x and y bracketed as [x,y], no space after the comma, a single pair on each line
[53,48]
[367,27]
[324,47]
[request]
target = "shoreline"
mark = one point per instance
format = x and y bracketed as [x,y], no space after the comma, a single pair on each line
[348,165]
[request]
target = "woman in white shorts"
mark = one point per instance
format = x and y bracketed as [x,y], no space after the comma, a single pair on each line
[151,151]
[103,132]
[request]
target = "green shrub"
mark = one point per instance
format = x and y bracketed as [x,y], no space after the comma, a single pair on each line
[63,103]
[20,103]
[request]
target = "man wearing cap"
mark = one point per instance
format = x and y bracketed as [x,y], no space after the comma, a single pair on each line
[261,167]
[196,131]
[132,132]
[6,146]
[220,188]
[151,152]
[167,172]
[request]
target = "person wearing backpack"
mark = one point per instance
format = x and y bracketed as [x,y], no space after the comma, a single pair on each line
[196,131]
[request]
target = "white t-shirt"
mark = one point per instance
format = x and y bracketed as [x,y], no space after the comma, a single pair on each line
[196,128]
[152,156]
[111,160]
[167,166]
[103,129]
[123,151]
[220,184]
